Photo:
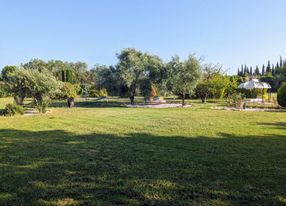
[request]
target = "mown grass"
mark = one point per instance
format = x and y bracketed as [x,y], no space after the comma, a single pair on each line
[127,156]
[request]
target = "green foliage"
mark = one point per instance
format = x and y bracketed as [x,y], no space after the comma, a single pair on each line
[235,98]
[3,90]
[281,95]
[131,67]
[36,64]
[98,93]
[68,90]
[202,91]
[106,77]
[271,74]
[18,84]
[12,109]
[185,75]
[67,76]
[7,71]
[218,85]
[215,83]
[42,104]
[39,85]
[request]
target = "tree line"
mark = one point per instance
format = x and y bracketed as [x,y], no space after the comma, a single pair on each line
[136,73]
[274,74]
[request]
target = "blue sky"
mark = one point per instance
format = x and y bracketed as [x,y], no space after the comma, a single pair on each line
[230,32]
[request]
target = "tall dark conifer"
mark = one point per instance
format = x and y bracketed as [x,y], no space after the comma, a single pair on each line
[257,72]
[245,70]
[268,68]
[263,70]
[273,70]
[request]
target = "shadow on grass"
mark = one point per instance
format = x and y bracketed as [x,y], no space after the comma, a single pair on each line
[59,168]
[278,125]
[89,104]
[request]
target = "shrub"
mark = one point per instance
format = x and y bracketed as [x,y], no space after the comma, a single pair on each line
[12,109]
[69,90]
[98,93]
[235,98]
[3,90]
[281,95]
[42,105]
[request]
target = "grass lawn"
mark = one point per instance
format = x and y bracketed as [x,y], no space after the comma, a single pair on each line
[136,156]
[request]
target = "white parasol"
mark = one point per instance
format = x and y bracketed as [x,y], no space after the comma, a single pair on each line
[254,84]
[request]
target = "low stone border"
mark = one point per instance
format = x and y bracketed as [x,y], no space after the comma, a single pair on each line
[249,109]
[157,105]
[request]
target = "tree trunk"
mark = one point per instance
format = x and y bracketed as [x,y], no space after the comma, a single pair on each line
[131,99]
[183,99]
[132,93]
[204,100]
[19,100]
[70,102]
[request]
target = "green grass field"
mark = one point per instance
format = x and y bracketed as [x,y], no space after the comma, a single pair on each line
[127,156]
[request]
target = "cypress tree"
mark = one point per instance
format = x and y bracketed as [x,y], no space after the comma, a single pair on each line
[257,72]
[263,70]
[69,76]
[250,71]
[281,62]
[63,75]
[245,70]
[277,69]
[273,70]
[268,68]
[241,72]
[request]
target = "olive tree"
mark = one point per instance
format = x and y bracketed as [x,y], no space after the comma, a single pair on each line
[185,75]
[16,83]
[33,83]
[131,68]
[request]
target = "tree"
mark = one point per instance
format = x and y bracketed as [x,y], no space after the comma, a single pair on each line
[34,83]
[16,83]
[257,72]
[80,71]
[155,76]
[40,85]
[6,71]
[69,92]
[263,70]
[185,75]
[203,89]
[36,64]
[106,77]
[281,95]
[131,68]
[245,70]
[268,68]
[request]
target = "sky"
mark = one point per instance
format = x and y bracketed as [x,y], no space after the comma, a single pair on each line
[228,32]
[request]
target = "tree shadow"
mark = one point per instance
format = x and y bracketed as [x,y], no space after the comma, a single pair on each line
[277,125]
[88,104]
[60,168]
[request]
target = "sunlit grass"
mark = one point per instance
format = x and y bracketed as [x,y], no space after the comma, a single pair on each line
[135,156]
